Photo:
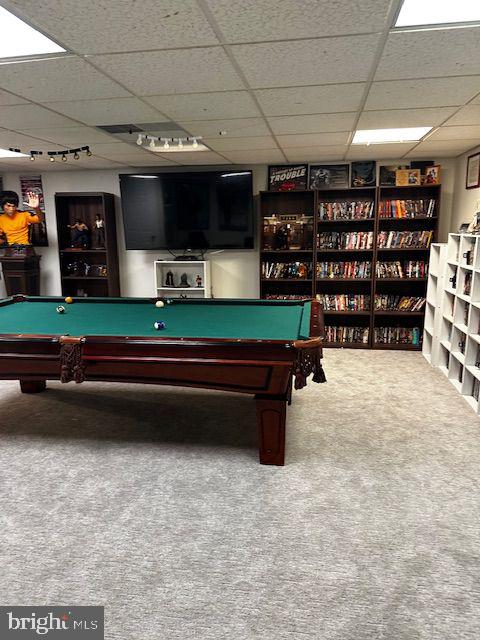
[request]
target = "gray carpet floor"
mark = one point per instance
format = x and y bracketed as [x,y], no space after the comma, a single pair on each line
[151,502]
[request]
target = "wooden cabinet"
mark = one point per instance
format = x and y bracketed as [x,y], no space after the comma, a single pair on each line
[88,262]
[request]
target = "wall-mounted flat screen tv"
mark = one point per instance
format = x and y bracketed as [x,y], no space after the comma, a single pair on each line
[195,210]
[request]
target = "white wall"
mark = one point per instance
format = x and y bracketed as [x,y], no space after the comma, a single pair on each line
[466,201]
[235,274]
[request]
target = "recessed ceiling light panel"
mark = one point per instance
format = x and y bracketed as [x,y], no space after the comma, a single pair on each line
[385,136]
[19,39]
[426,12]
[6,153]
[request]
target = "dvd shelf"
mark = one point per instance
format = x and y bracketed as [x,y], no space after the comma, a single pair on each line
[368,251]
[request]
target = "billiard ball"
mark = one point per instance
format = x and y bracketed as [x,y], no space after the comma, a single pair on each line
[69,300]
[159,304]
[60,309]
[159,325]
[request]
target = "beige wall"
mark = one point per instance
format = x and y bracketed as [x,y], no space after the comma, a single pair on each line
[235,274]
[466,201]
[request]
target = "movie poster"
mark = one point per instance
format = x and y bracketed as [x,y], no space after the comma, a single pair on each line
[38,232]
[287,178]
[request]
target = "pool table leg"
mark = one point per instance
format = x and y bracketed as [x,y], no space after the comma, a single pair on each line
[271,414]
[32,386]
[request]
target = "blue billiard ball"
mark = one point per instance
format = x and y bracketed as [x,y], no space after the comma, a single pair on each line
[60,309]
[159,325]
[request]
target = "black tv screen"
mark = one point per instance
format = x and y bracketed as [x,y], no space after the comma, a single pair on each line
[201,210]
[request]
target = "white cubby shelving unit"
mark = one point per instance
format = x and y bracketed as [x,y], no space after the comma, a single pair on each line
[452,319]
[193,269]
[435,287]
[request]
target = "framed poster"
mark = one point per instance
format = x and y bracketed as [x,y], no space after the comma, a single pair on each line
[364,174]
[472,180]
[287,177]
[407,177]
[38,232]
[432,174]
[329,176]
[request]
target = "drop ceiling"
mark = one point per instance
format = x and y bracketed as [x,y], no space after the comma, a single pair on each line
[287,81]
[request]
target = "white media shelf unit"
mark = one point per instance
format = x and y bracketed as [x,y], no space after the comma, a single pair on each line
[192,268]
[452,320]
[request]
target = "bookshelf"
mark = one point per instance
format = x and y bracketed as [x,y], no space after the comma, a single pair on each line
[197,272]
[369,254]
[453,321]
[90,269]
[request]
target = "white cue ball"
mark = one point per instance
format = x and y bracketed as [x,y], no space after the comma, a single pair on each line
[159,304]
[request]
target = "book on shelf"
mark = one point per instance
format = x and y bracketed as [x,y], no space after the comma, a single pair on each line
[467,284]
[397,335]
[344,210]
[345,240]
[402,270]
[286,270]
[344,302]
[346,335]
[389,302]
[404,239]
[351,269]
[423,208]
[476,388]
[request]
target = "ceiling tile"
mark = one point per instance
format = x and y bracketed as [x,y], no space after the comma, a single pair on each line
[254,20]
[7,98]
[313,139]
[315,154]
[445,147]
[235,128]
[206,106]
[331,98]
[319,123]
[225,143]
[469,115]
[31,116]
[434,53]
[304,62]
[379,151]
[258,156]
[117,150]
[457,133]
[65,78]
[153,160]
[393,118]
[93,26]
[25,142]
[102,112]
[71,135]
[200,157]
[167,72]
[428,92]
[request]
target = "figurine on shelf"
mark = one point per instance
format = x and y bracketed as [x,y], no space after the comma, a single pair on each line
[302,270]
[184,281]
[169,279]
[80,234]
[99,231]
[198,281]
[280,239]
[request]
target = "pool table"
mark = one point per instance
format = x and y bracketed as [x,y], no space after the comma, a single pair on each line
[247,346]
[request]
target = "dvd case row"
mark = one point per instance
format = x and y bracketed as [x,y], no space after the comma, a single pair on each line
[351,335]
[398,303]
[345,240]
[397,335]
[353,269]
[404,239]
[344,302]
[406,208]
[282,270]
[406,269]
[357,210]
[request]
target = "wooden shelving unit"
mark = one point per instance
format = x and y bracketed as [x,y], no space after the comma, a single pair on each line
[93,270]
[281,205]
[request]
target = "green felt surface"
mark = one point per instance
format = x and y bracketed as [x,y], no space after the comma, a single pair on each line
[213,319]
